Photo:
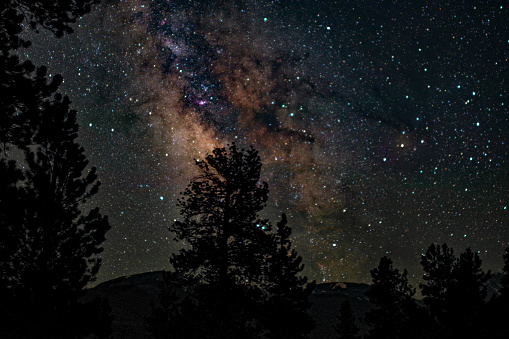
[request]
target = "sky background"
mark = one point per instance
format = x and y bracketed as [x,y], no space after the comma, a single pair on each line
[382,125]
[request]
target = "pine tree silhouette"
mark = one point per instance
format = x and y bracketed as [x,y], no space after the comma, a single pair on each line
[49,242]
[394,306]
[220,209]
[438,265]
[58,243]
[455,292]
[228,268]
[289,293]
[470,291]
[497,311]
[504,282]
[223,266]
[25,87]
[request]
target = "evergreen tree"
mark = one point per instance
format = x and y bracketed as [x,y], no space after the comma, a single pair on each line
[288,299]
[469,292]
[13,199]
[58,242]
[467,298]
[438,265]
[498,307]
[346,327]
[220,222]
[504,282]
[455,292]
[223,265]
[49,241]
[24,87]
[229,267]
[394,306]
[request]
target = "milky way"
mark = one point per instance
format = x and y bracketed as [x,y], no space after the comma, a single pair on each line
[381,125]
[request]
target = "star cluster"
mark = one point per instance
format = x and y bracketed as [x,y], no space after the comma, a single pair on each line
[382,126]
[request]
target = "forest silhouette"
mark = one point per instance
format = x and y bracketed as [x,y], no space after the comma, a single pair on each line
[455,301]
[49,241]
[238,275]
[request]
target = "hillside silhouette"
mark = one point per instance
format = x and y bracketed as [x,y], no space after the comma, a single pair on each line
[130,299]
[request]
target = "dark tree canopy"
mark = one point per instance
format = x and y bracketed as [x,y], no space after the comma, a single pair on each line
[470,290]
[394,306]
[498,307]
[65,238]
[504,290]
[455,301]
[239,275]
[26,88]
[220,221]
[455,290]
[52,15]
[288,292]
[50,238]
[438,265]
[50,242]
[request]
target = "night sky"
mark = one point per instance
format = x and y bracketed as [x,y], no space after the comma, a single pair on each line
[382,125]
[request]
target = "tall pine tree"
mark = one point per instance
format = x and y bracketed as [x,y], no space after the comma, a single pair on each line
[223,264]
[455,291]
[58,239]
[394,306]
[498,307]
[504,282]
[438,264]
[235,270]
[220,220]
[469,292]
[49,239]
[288,293]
